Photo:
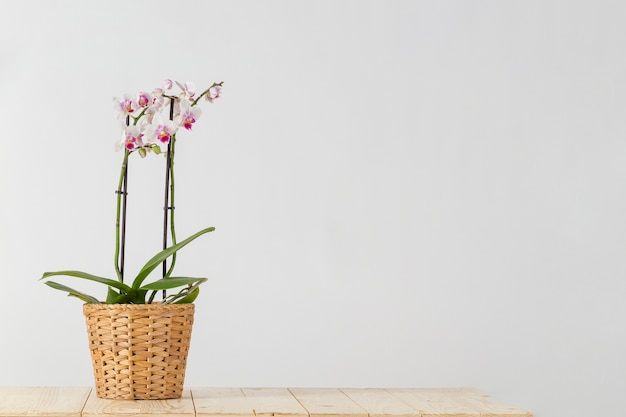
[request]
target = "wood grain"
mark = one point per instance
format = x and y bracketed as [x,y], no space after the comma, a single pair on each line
[221,402]
[454,402]
[42,401]
[439,402]
[274,402]
[327,402]
[180,407]
[494,408]
[262,402]
[379,403]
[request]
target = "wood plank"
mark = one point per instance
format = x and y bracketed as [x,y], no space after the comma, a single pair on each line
[99,407]
[221,402]
[444,402]
[495,409]
[454,402]
[42,401]
[274,402]
[264,402]
[327,402]
[379,403]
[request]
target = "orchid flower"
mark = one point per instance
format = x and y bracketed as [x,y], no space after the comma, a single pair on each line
[133,138]
[125,106]
[188,115]
[213,94]
[157,97]
[188,90]
[149,126]
[160,130]
[144,99]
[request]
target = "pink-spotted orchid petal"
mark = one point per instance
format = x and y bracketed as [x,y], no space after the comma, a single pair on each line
[160,131]
[157,103]
[157,97]
[188,115]
[133,138]
[144,99]
[125,106]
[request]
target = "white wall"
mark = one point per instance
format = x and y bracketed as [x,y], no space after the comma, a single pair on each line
[405,193]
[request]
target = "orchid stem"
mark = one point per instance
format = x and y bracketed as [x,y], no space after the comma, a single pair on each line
[120,214]
[172,206]
[168,205]
[120,219]
[206,92]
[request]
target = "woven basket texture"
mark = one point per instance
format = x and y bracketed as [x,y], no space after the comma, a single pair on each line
[139,351]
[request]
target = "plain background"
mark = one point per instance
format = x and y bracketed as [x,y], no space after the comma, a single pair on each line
[406,194]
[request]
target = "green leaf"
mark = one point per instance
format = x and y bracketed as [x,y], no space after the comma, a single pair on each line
[111,295]
[163,255]
[83,275]
[189,298]
[151,298]
[137,296]
[72,292]
[186,295]
[172,282]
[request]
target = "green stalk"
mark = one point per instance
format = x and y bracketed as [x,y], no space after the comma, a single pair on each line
[120,192]
[139,116]
[171,204]
[206,92]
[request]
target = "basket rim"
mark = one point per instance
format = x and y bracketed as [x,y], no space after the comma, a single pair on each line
[153,306]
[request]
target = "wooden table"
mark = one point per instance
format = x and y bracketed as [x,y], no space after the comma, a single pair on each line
[265,402]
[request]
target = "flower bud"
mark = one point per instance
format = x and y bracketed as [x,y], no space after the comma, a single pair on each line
[214,93]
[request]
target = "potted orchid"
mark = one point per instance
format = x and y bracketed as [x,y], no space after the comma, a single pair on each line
[146,130]
[139,344]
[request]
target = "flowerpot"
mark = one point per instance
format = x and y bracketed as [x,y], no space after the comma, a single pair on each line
[139,351]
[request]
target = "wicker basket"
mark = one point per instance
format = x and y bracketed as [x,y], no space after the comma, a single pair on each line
[139,351]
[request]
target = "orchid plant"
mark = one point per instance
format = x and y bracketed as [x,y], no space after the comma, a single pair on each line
[145,130]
